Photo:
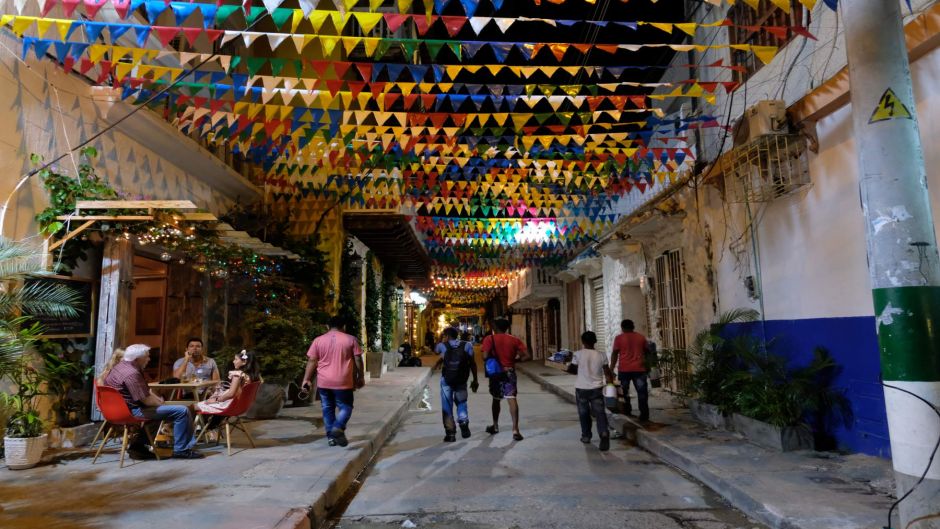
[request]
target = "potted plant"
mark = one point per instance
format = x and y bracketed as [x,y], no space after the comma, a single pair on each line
[68,381]
[716,358]
[280,340]
[24,439]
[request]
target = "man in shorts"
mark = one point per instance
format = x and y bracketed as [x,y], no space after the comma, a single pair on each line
[508,350]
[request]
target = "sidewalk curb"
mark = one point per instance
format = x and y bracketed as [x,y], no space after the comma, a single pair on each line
[315,514]
[733,494]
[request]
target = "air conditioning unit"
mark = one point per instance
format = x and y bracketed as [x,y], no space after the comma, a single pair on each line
[766,117]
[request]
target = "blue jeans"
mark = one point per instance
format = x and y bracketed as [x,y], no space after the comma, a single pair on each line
[642,393]
[337,408]
[183,438]
[449,397]
[591,402]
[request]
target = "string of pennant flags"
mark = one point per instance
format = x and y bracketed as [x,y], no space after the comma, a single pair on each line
[504,152]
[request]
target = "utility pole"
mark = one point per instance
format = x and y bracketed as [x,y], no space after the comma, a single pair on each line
[902,247]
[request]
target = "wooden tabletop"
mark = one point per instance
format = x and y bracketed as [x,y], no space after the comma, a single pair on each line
[186,385]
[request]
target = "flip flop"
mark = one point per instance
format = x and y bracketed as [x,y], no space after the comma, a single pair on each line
[517,436]
[492,430]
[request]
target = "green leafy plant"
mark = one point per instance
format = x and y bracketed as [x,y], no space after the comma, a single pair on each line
[349,281]
[389,306]
[65,378]
[716,358]
[281,339]
[19,333]
[373,306]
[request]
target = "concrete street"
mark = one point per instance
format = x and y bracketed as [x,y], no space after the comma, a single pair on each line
[548,480]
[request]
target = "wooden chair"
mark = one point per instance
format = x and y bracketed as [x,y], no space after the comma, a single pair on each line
[117,413]
[232,415]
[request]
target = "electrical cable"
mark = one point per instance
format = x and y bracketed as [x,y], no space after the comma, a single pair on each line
[111,126]
[932,454]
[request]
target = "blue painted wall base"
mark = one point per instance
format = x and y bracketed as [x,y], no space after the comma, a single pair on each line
[853,345]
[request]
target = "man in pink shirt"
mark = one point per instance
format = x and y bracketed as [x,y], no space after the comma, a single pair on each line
[336,360]
[629,349]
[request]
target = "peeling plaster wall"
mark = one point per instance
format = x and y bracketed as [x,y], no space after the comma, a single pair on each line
[47,121]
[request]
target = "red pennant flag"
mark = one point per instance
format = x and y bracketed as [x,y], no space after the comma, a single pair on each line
[421,23]
[454,24]
[609,48]
[46,7]
[638,101]
[165,34]
[122,7]
[410,100]
[68,63]
[800,30]
[191,34]
[355,87]
[214,34]
[320,67]
[583,48]
[105,71]
[394,21]
[92,7]
[778,31]
[85,66]
[365,70]
[340,68]
[68,6]
[390,99]
[427,100]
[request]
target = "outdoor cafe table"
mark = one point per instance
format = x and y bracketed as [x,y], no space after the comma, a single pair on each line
[198,389]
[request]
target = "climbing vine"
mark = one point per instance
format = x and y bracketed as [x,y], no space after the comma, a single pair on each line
[349,281]
[373,306]
[389,307]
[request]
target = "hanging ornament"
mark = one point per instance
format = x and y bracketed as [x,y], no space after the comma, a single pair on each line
[165,257]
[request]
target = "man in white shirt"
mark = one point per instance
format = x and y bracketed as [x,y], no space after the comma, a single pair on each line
[593,372]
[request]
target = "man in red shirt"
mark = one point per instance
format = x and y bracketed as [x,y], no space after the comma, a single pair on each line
[629,349]
[336,359]
[508,350]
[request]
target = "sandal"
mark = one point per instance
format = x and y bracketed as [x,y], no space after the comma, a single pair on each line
[492,430]
[517,436]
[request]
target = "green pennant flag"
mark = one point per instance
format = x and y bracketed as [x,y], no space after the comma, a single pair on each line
[255,12]
[381,48]
[434,47]
[565,117]
[408,46]
[455,47]
[277,64]
[224,12]
[298,68]
[593,89]
[543,117]
[281,15]
[254,64]
[236,60]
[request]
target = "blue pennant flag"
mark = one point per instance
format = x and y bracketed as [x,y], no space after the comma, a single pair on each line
[27,42]
[439,5]
[40,47]
[208,14]
[182,11]
[470,6]
[93,30]
[142,33]
[116,31]
[62,50]
[154,9]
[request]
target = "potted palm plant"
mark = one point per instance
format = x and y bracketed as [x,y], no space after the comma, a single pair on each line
[24,439]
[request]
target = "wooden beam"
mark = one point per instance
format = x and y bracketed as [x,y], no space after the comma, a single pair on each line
[105,217]
[134,204]
[71,234]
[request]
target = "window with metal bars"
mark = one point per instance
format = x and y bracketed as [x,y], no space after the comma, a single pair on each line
[670,315]
[750,26]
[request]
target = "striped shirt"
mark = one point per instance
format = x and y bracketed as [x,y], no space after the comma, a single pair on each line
[127,378]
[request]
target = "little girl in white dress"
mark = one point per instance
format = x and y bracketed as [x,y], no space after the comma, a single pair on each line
[244,369]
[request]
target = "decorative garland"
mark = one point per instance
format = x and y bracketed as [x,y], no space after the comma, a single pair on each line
[348,308]
[373,306]
[389,306]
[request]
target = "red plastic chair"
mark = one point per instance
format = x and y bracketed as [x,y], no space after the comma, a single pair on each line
[116,413]
[232,414]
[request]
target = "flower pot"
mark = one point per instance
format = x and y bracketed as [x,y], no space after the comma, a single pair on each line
[268,402]
[23,452]
[785,439]
[709,415]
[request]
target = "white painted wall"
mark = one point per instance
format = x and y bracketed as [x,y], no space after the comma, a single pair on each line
[45,111]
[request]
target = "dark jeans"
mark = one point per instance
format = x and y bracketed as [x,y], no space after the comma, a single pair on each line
[591,402]
[337,408]
[642,392]
[449,398]
[183,438]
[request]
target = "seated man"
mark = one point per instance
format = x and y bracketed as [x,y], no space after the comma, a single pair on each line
[195,365]
[127,376]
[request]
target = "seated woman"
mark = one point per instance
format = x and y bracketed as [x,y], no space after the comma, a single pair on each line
[242,370]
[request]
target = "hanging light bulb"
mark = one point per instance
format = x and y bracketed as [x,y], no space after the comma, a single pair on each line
[165,256]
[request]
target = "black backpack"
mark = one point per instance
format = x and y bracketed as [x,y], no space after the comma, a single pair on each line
[456,368]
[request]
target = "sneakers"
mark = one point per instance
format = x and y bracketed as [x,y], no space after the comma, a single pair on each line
[585,440]
[188,454]
[450,437]
[331,442]
[492,430]
[140,453]
[465,430]
[605,443]
[340,437]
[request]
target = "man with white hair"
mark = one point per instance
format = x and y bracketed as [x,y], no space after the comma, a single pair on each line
[128,378]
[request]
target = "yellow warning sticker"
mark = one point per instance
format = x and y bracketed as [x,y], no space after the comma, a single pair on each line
[889,107]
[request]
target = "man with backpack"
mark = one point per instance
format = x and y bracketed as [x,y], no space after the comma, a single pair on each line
[457,364]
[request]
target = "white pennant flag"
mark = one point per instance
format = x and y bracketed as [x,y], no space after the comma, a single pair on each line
[229,36]
[298,42]
[271,5]
[249,37]
[224,61]
[504,23]
[307,6]
[478,23]
[186,57]
[19,5]
[275,39]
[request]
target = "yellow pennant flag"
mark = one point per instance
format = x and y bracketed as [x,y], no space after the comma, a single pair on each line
[370,45]
[782,4]
[764,53]
[42,25]
[367,21]
[350,43]
[662,26]
[328,43]
[687,28]
[296,17]
[21,24]
[317,18]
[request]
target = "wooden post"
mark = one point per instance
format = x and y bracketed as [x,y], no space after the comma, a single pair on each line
[117,275]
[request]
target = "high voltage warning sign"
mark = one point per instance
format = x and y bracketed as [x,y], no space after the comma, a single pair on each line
[889,107]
